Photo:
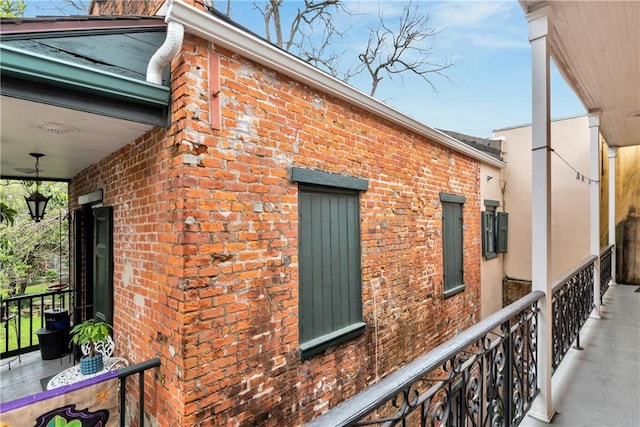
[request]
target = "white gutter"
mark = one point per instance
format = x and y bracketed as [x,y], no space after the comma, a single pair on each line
[166,52]
[223,34]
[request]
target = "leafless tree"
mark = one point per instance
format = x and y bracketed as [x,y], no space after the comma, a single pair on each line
[211,4]
[311,35]
[390,51]
[66,7]
[406,49]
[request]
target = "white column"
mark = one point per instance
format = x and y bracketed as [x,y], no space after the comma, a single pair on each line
[613,152]
[539,28]
[594,184]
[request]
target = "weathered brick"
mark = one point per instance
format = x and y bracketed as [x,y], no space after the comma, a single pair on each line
[212,248]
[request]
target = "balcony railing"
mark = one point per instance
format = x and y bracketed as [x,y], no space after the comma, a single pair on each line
[487,375]
[605,270]
[484,376]
[125,373]
[69,403]
[572,301]
[23,315]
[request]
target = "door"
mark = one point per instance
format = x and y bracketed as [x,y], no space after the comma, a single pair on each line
[103,264]
[83,263]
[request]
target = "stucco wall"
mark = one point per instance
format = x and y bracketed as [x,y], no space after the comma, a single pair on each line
[628,214]
[491,270]
[206,272]
[570,197]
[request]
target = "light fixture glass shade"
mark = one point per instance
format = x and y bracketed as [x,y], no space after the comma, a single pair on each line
[37,204]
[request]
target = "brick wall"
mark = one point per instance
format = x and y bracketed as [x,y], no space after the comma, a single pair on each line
[124,7]
[206,246]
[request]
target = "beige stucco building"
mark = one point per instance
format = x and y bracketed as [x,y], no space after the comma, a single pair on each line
[570,184]
[627,216]
[491,269]
[570,233]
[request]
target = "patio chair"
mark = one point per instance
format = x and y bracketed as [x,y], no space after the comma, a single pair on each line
[103,347]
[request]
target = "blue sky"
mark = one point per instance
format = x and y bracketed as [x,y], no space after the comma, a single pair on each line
[488,41]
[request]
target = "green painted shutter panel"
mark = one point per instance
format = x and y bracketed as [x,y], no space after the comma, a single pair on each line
[329,257]
[485,231]
[503,228]
[452,244]
[103,264]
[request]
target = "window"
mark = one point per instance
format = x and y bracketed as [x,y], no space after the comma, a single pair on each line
[330,291]
[452,243]
[494,230]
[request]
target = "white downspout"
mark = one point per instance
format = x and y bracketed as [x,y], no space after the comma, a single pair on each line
[166,52]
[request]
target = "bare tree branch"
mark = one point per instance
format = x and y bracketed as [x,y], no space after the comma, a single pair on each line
[314,36]
[390,52]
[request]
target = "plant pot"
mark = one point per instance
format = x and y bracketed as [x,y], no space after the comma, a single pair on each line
[91,365]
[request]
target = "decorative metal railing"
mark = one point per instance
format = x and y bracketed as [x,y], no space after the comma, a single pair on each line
[125,373]
[605,270]
[23,315]
[485,376]
[572,302]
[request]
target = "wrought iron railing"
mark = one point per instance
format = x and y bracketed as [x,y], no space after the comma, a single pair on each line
[605,270]
[123,374]
[485,376]
[23,315]
[572,301]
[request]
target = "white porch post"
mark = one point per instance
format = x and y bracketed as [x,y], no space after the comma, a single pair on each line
[594,184]
[613,152]
[539,29]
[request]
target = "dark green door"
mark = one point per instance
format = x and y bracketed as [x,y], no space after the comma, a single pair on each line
[103,264]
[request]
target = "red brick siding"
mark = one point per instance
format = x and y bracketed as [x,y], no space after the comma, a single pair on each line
[206,237]
[132,7]
[124,7]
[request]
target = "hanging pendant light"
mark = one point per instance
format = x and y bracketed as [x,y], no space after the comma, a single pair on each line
[36,202]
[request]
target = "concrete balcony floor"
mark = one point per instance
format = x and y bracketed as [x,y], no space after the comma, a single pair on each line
[600,385]
[24,377]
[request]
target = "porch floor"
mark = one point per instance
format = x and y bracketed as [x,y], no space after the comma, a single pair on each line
[600,385]
[23,379]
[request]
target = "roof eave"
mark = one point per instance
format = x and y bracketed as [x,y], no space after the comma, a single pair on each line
[32,27]
[33,67]
[223,34]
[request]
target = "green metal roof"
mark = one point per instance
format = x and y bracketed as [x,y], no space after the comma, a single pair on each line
[63,67]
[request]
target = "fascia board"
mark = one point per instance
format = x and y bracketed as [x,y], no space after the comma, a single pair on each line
[34,67]
[223,34]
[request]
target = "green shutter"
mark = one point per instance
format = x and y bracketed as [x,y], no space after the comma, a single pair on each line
[485,230]
[103,264]
[329,255]
[503,228]
[452,245]
[489,239]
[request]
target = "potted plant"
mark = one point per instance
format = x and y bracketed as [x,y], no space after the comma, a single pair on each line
[90,333]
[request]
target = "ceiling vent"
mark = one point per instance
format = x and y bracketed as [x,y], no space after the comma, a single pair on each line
[56,128]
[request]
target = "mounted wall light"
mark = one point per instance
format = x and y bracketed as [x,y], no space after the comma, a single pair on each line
[36,202]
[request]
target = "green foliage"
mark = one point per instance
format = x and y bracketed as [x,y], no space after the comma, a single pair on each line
[7,214]
[28,249]
[27,327]
[12,8]
[90,332]
[51,274]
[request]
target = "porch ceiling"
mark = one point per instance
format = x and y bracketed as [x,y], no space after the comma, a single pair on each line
[596,46]
[74,89]
[29,127]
